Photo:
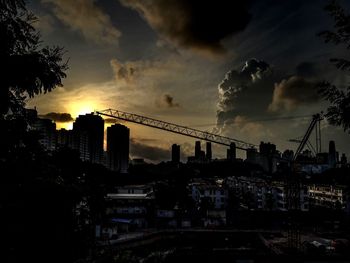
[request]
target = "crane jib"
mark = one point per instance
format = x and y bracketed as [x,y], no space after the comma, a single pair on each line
[179,129]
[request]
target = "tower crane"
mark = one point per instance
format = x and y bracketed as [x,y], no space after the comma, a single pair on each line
[179,129]
[293,183]
[315,122]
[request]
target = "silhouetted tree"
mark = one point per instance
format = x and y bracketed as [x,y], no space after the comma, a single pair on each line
[338,113]
[30,182]
[27,69]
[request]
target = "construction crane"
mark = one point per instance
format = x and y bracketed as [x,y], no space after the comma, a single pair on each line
[316,120]
[171,127]
[293,184]
[308,144]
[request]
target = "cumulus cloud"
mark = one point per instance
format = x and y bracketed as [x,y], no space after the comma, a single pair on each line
[244,128]
[87,18]
[198,25]
[58,117]
[166,101]
[240,88]
[292,92]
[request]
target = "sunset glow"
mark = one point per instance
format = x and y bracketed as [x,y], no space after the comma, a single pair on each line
[159,130]
[64,125]
[81,107]
[175,76]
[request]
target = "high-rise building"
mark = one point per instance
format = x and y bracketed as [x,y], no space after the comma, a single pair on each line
[197,150]
[31,114]
[268,156]
[118,148]
[47,132]
[64,138]
[88,132]
[288,155]
[175,153]
[332,154]
[343,160]
[231,152]
[252,155]
[208,154]
[267,149]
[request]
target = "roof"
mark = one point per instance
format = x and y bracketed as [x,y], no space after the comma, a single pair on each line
[121,220]
[135,186]
[131,196]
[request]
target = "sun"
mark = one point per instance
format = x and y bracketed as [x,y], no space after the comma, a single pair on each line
[64,125]
[76,108]
[82,107]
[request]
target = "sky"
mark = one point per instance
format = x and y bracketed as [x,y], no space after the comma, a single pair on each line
[242,69]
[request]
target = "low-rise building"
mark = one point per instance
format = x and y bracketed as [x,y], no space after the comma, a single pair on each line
[258,194]
[250,191]
[215,218]
[133,204]
[212,192]
[211,200]
[329,196]
[166,218]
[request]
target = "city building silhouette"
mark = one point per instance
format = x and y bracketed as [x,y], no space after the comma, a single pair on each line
[88,133]
[231,152]
[47,132]
[332,154]
[175,153]
[118,148]
[208,154]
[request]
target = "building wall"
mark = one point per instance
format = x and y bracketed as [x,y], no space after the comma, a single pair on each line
[118,148]
[256,193]
[216,194]
[336,197]
[135,189]
[47,133]
[88,132]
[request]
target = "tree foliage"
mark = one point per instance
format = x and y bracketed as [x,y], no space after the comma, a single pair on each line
[338,113]
[27,68]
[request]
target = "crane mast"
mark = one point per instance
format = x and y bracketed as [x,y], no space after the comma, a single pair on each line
[293,184]
[315,122]
[174,128]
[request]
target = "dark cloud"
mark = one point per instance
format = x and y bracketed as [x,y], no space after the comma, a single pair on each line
[292,92]
[111,120]
[167,101]
[86,17]
[123,71]
[200,25]
[152,153]
[58,117]
[141,148]
[137,73]
[241,88]
[308,69]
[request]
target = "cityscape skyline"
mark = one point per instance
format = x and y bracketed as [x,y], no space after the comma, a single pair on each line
[175,131]
[87,137]
[186,84]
